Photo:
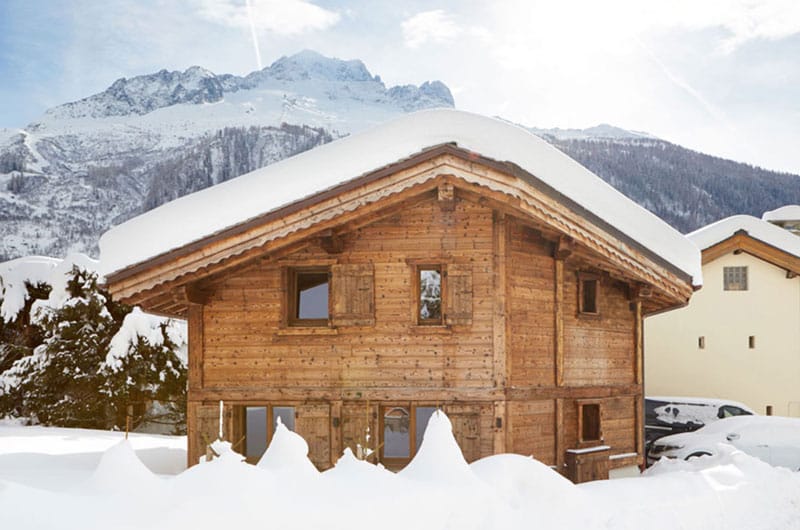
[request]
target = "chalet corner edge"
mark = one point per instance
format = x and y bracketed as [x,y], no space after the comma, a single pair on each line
[450,280]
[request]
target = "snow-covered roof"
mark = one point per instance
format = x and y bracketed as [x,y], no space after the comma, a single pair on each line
[790,212]
[202,214]
[763,231]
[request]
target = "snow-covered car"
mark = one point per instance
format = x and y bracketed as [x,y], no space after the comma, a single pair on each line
[773,439]
[672,415]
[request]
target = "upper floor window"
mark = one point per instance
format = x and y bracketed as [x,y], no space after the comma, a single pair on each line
[588,294]
[430,294]
[309,291]
[734,278]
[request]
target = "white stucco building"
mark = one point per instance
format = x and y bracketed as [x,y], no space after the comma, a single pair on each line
[739,337]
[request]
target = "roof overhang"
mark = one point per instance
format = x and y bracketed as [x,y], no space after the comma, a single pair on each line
[170,275]
[742,241]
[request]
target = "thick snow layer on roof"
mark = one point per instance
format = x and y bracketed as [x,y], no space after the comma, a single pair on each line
[790,212]
[765,232]
[230,203]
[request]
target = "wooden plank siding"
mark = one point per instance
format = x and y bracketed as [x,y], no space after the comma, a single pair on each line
[491,365]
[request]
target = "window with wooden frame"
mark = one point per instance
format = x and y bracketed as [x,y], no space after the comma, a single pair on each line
[402,428]
[590,430]
[588,294]
[734,278]
[308,296]
[442,294]
[259,423]
[430,290]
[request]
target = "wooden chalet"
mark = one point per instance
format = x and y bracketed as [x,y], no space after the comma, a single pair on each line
[439,273]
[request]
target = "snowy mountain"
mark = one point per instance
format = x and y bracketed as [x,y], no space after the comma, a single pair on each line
[90,164]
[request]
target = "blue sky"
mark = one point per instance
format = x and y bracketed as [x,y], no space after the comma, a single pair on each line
[719,76]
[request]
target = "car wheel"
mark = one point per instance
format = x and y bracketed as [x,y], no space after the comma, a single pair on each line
[698,453]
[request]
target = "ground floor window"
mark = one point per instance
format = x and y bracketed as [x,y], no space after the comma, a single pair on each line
[259,426]
[589,422]
[402,428]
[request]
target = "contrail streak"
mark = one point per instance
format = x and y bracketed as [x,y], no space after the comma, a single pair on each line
[253,33]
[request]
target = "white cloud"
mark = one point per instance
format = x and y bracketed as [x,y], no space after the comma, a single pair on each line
[282,17]
[430,26]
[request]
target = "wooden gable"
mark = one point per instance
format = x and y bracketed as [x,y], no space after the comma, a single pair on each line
[741,241]
[167,284]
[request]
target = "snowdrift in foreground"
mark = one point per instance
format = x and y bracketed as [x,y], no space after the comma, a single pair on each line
[731,491]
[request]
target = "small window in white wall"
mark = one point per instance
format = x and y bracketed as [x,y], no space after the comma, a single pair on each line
[701,342]
[751,342]
[734,278]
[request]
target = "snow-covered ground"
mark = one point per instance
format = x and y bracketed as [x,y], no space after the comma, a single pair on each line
[76,479]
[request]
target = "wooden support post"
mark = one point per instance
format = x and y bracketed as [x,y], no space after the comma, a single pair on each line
[337,444]
[501,442]
[500,321]
[195,323]
[559,322]
[559,430]
[639,346]
[195,376]
[639,425]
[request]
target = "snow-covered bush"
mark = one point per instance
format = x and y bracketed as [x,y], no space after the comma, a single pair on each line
[92,357]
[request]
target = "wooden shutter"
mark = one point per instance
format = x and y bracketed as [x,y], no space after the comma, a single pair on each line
[356,418]
[207,428]
[466,429]
[312,422]
[458,298]
[353,294]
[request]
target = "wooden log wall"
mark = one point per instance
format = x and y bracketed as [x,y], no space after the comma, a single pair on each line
[561,358]
[509,368]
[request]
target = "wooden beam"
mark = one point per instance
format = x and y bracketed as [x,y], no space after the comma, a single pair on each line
[559,430]
[336,428]
[564,247]
[432,394]
[195,325]
[331,242]
[639,423]
[195,294]
[639,343]
[499,285]
[502,438]
[558,314]
[446,196]
[743,242]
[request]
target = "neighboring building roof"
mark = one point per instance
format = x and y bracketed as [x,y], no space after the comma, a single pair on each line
[790,212]
[210,211]
[753,236]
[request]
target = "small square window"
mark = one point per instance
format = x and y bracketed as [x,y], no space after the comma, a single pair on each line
[308,293]
[734,278]
[588,294]
[429,278]
[751,342]
[701,343]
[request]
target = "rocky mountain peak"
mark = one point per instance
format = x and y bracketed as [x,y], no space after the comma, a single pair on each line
[308,64]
